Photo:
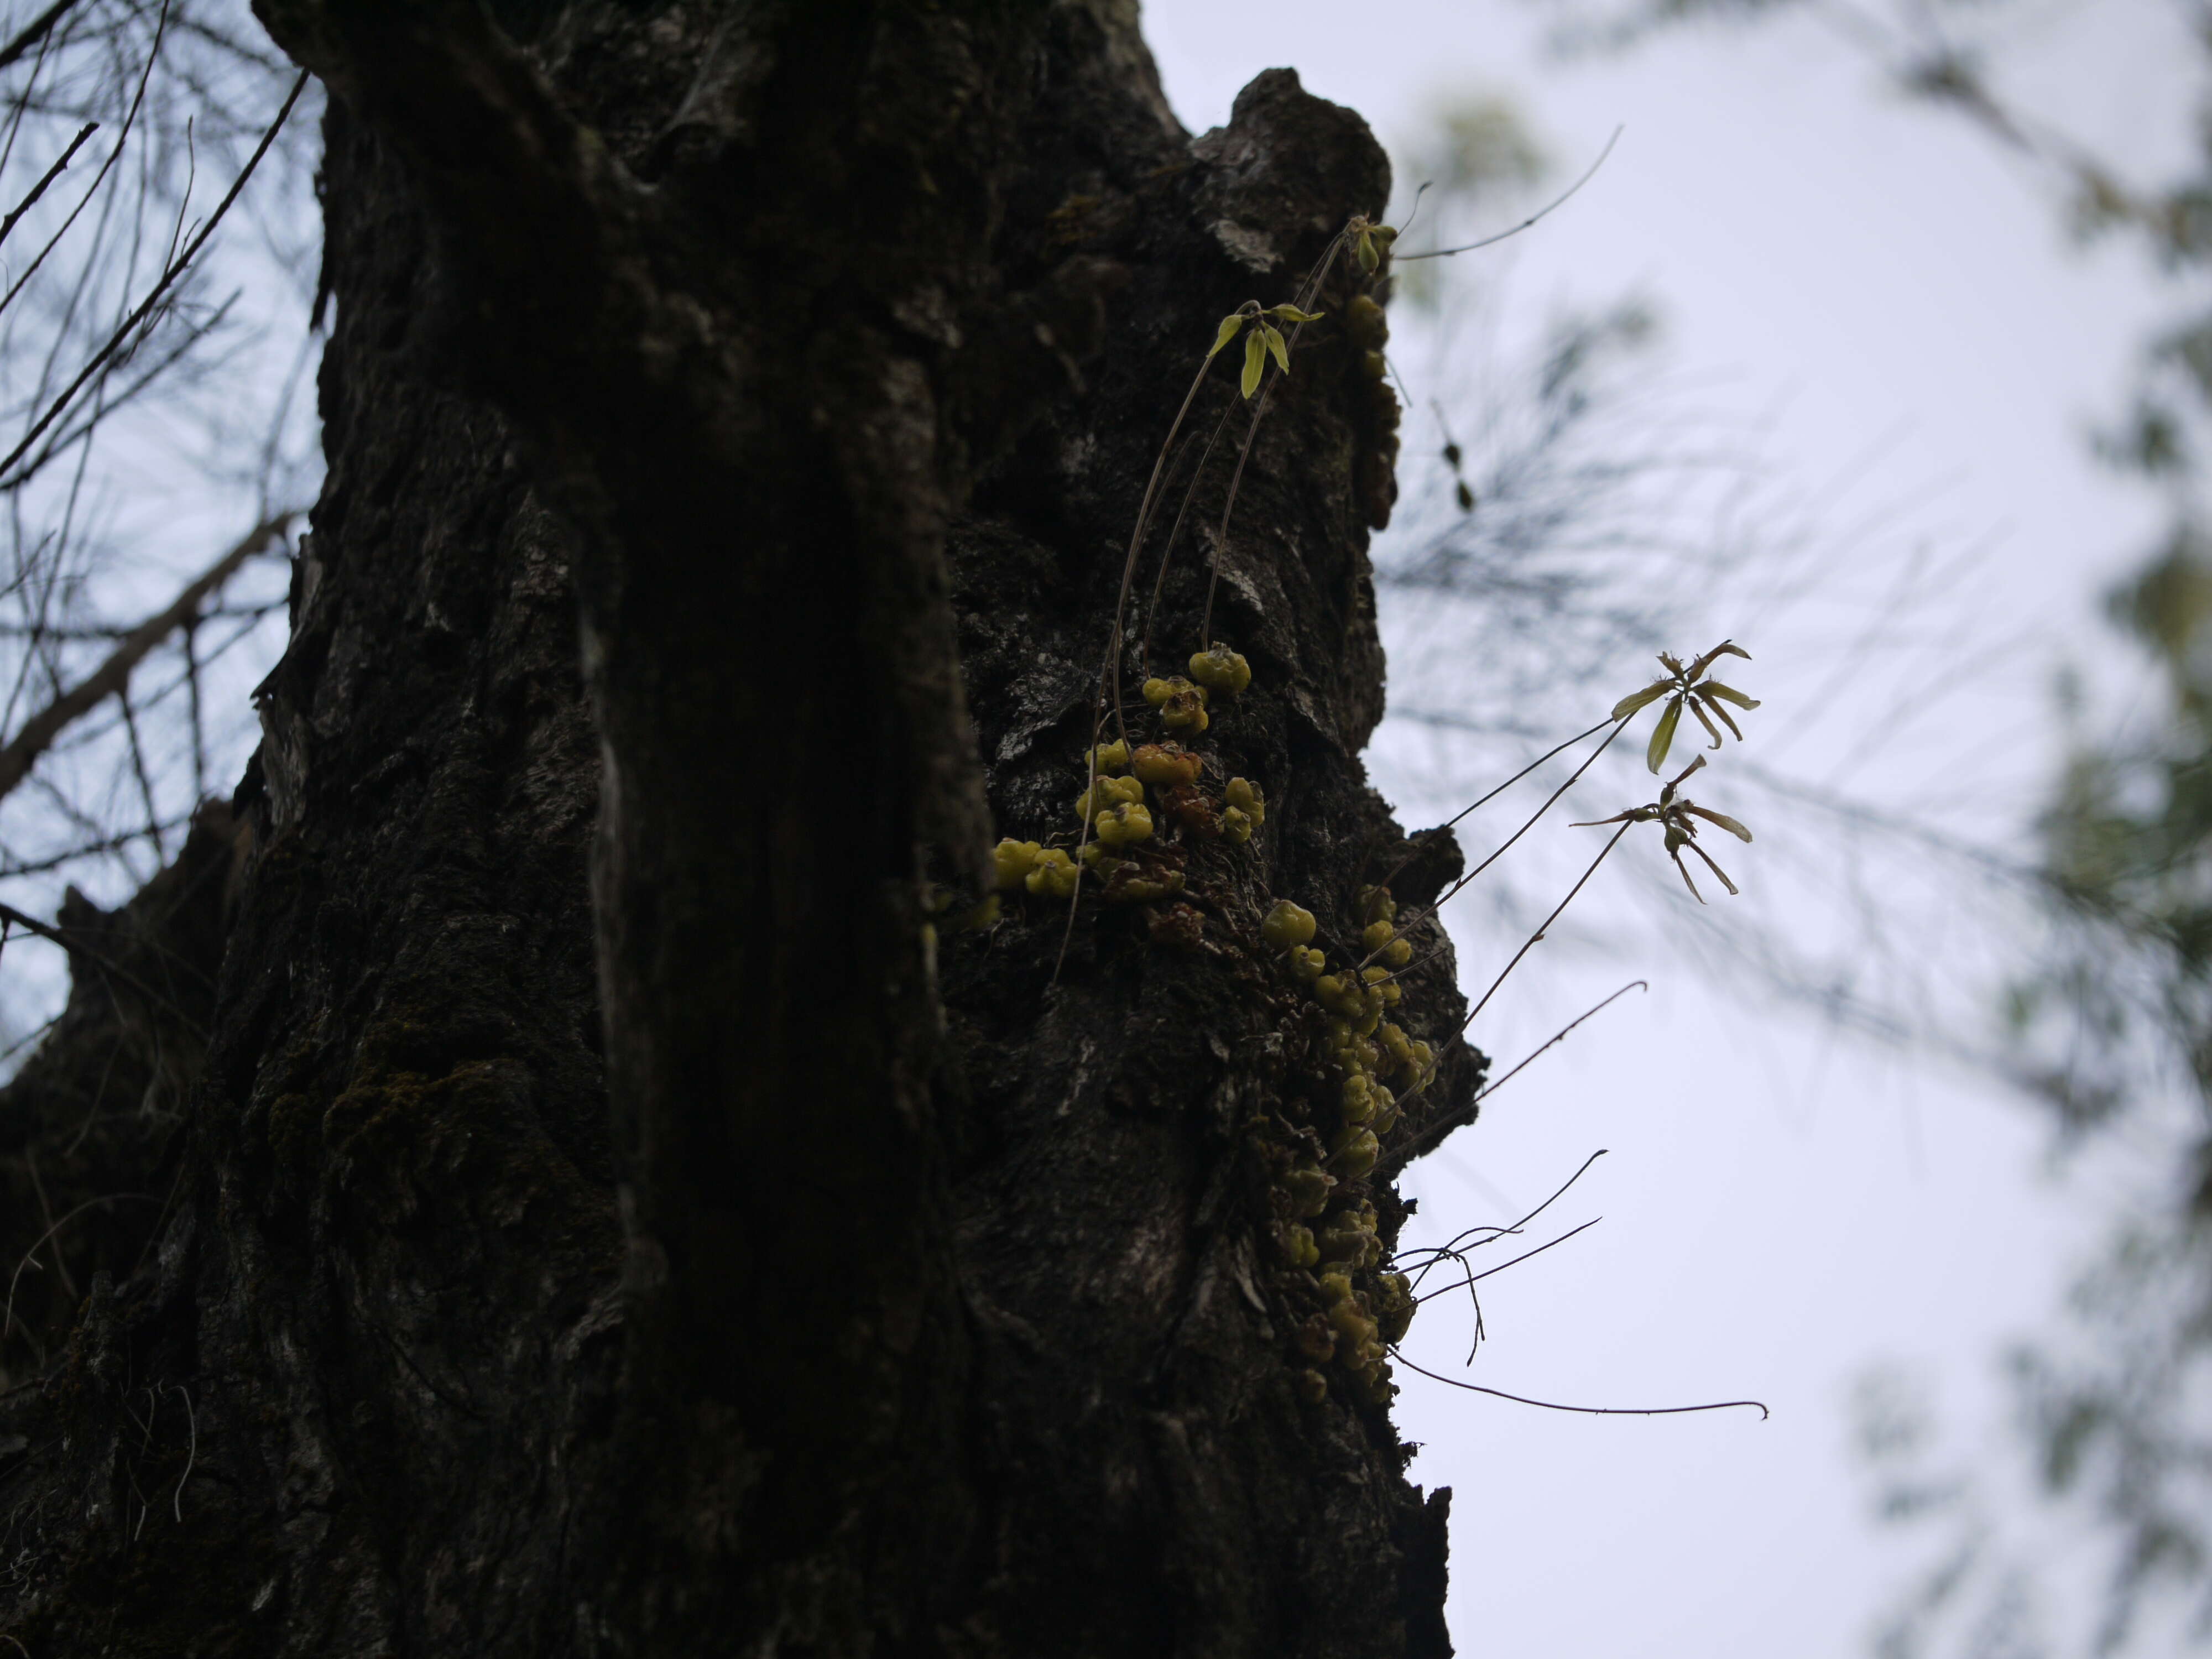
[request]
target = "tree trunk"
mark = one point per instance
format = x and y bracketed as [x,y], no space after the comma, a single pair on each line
[710,1232]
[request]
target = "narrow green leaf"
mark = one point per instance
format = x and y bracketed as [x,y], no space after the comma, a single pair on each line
[1711,730]
[1292,315]
[1663,735]
[1230,326]
[1687,882]
[1276,344]
[1726,647]
[1698,695]
[1721,819]
[1255,360]
[1714,688]
[1636,699]
[1365,249]
[1734,891]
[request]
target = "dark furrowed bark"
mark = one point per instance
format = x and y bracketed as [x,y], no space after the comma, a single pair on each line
[917,1303]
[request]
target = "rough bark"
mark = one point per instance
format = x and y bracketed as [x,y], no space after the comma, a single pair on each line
[661,1240]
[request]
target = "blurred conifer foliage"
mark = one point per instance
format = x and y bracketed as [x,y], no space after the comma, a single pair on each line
[2111,1027]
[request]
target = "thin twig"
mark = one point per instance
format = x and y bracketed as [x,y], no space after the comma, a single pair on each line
[169,276]
[77,947]
[47,178]
[8,1316]
[39,732]
[28,36]
[191,1452]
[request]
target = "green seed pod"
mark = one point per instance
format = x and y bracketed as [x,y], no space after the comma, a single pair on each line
[1245,795]
[1011,861]
[1141,889]
[1308,1189]
[1306,963]
[1348,1239]
[1356,1343]
[1366,322]
[1393,1307]
[1358,1098]
[1237,824]
[1354,1153]
[1164,764]
[1104,796]
[1287,925]
[1125,825]
[1183,708]
[1220,669]
[1423,1065]
[1386,1111]
[1054,876]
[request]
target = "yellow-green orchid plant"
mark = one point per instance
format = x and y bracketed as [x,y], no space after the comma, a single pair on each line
[1675,812]
[1687,688]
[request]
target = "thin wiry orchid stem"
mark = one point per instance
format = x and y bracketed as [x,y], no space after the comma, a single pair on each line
[1543,926]
[1446,896]
[1315,279]
[1167,552]
[1399,868]
[1496,1232]
[1472,1277]
[1399,1354]
[1558,201]
[1435,1133]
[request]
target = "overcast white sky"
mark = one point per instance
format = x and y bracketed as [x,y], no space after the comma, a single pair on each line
[1781,1207]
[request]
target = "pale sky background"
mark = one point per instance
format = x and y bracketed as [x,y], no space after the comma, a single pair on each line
[1861,282]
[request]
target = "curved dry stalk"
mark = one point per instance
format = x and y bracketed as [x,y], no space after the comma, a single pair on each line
[38,733]
[1557,202]
[1399,1354]
[1434,1135]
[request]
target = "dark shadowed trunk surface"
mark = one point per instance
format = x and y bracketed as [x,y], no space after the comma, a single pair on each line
[596,1183]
